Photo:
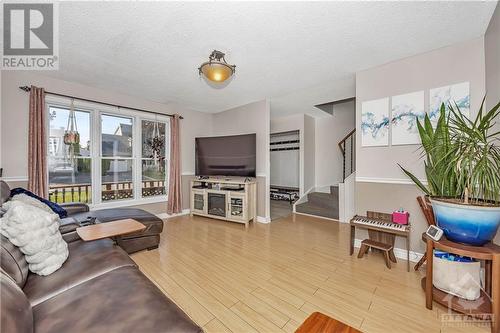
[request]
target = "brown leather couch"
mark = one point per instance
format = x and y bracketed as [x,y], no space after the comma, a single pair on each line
[98,289]
[79,212]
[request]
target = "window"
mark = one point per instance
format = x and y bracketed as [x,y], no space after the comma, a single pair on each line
[113,159]
[69,164]
[153,169]
[116,158]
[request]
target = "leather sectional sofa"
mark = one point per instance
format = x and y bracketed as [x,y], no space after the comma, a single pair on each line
[98,289]
[79,212]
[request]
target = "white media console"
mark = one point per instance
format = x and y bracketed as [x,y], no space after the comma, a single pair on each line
[226,198]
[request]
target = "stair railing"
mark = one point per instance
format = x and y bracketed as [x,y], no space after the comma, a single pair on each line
[348,146]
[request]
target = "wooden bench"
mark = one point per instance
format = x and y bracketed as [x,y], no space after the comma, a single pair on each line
[387,250]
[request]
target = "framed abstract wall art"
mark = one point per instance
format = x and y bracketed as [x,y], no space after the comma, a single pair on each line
[405,111]
[375,123]
[456,93]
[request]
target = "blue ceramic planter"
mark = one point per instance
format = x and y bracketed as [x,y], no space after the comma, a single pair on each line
[473,225]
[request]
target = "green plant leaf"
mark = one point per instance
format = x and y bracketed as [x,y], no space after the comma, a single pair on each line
[416,181]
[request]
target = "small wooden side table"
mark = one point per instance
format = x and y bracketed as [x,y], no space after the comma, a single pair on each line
[321,323]
[109,229]
[488,305]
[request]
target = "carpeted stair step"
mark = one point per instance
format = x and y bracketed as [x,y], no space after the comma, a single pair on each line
[325,200]
[334,190]
[312,209]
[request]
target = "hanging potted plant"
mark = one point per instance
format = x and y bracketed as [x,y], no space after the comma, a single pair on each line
[462,168]
[71,135]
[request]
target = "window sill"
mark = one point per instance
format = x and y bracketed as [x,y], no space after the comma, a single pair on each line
[129,202]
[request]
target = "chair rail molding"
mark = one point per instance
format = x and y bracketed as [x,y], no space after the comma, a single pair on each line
[403,181]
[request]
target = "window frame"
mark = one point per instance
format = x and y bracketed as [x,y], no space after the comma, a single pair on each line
[140,158]
[96,110]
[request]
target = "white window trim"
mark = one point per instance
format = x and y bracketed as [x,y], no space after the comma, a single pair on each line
[96,110]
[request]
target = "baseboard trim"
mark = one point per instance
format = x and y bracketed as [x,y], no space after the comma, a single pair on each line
[398,252]
[317,216]
[262,219]
[164,216]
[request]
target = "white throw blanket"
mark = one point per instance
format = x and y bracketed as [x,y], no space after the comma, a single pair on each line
[31,201]
[36,232]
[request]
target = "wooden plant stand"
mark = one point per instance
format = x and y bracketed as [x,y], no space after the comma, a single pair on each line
[488,305]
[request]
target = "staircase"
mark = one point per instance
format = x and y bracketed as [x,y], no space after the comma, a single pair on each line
[326,204]
[321,204]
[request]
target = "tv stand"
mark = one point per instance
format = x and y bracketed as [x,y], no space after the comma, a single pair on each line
[225,198]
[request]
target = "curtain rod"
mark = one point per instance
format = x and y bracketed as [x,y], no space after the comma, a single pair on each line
[27,89]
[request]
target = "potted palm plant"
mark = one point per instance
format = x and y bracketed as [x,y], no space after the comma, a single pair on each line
[462,168]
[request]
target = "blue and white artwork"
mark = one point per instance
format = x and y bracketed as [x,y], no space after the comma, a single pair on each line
[456,93]
[405,111]
[375,123]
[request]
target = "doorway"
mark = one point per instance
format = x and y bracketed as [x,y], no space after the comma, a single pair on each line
[285,172]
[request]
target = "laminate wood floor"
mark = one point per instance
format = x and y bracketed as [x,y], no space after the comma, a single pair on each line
[270,277]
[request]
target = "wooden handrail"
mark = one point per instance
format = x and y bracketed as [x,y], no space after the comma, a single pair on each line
[345,139]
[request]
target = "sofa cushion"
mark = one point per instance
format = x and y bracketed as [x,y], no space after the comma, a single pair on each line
[75,207]
[13,262]
[68,224]
[131,245]
[16,315]
[86,261]
[122,300]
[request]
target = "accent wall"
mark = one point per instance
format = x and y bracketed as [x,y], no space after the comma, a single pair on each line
[380,184]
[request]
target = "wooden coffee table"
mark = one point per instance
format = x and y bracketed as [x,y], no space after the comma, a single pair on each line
[109,229]
[321,323]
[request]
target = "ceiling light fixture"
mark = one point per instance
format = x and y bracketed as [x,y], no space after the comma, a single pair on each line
[216,69]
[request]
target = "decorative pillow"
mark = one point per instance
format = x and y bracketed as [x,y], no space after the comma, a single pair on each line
[55,207]
[36,233]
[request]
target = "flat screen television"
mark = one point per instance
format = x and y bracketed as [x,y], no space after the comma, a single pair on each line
[233,155]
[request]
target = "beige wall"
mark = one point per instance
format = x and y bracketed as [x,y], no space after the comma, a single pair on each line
[251,118]
[309,153]
[14,126]
[377,170]
[329,131]
[14,122]
[492,57]
[453,64]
